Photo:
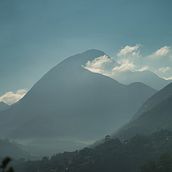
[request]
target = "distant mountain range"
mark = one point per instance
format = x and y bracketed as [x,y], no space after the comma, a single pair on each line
[73,105]
[107,66]
[155,114]
[147,77]
[3,106]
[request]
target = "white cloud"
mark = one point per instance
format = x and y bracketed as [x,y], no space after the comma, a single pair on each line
[100,64]
[107,66]
[12,97]
[164,69]
[129,58]
[124,66]
[144,68]
[163,51]
[129,51]
[168,78]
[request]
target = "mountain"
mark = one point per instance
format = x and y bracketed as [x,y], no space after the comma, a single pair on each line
[12,149]
[3,106]
[156,99]
[146,77]
[73,106]
[155,114]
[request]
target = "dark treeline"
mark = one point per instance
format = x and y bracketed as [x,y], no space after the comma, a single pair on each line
[5,165]
[138,154]
[163,164]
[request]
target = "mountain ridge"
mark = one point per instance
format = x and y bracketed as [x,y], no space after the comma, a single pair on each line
[3,106]
[155,114]
[68,99]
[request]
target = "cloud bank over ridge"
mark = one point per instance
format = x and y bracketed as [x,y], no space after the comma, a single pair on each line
[12,97]
[130,58]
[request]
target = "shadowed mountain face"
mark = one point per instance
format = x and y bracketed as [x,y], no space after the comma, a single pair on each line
[3,106]
[155,114]
[72,103]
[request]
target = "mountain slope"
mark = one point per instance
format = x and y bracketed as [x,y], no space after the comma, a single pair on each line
[12,149]
[154,115]
[156,99]
[73,105]
[3,106]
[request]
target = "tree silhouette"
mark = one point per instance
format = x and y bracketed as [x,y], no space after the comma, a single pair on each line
[5,165]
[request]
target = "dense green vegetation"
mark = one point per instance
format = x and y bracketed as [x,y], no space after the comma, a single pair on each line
[138,154]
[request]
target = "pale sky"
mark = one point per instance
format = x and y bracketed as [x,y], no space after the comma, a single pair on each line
[37,34]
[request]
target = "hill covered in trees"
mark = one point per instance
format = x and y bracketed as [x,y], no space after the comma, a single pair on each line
[114,154]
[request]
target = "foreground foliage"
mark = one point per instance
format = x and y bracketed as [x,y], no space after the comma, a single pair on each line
[5,167]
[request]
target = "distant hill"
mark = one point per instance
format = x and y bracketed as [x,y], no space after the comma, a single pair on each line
[127,76]
[12,149]
[146,77]
[3,106]
[73,106]
[155,114]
